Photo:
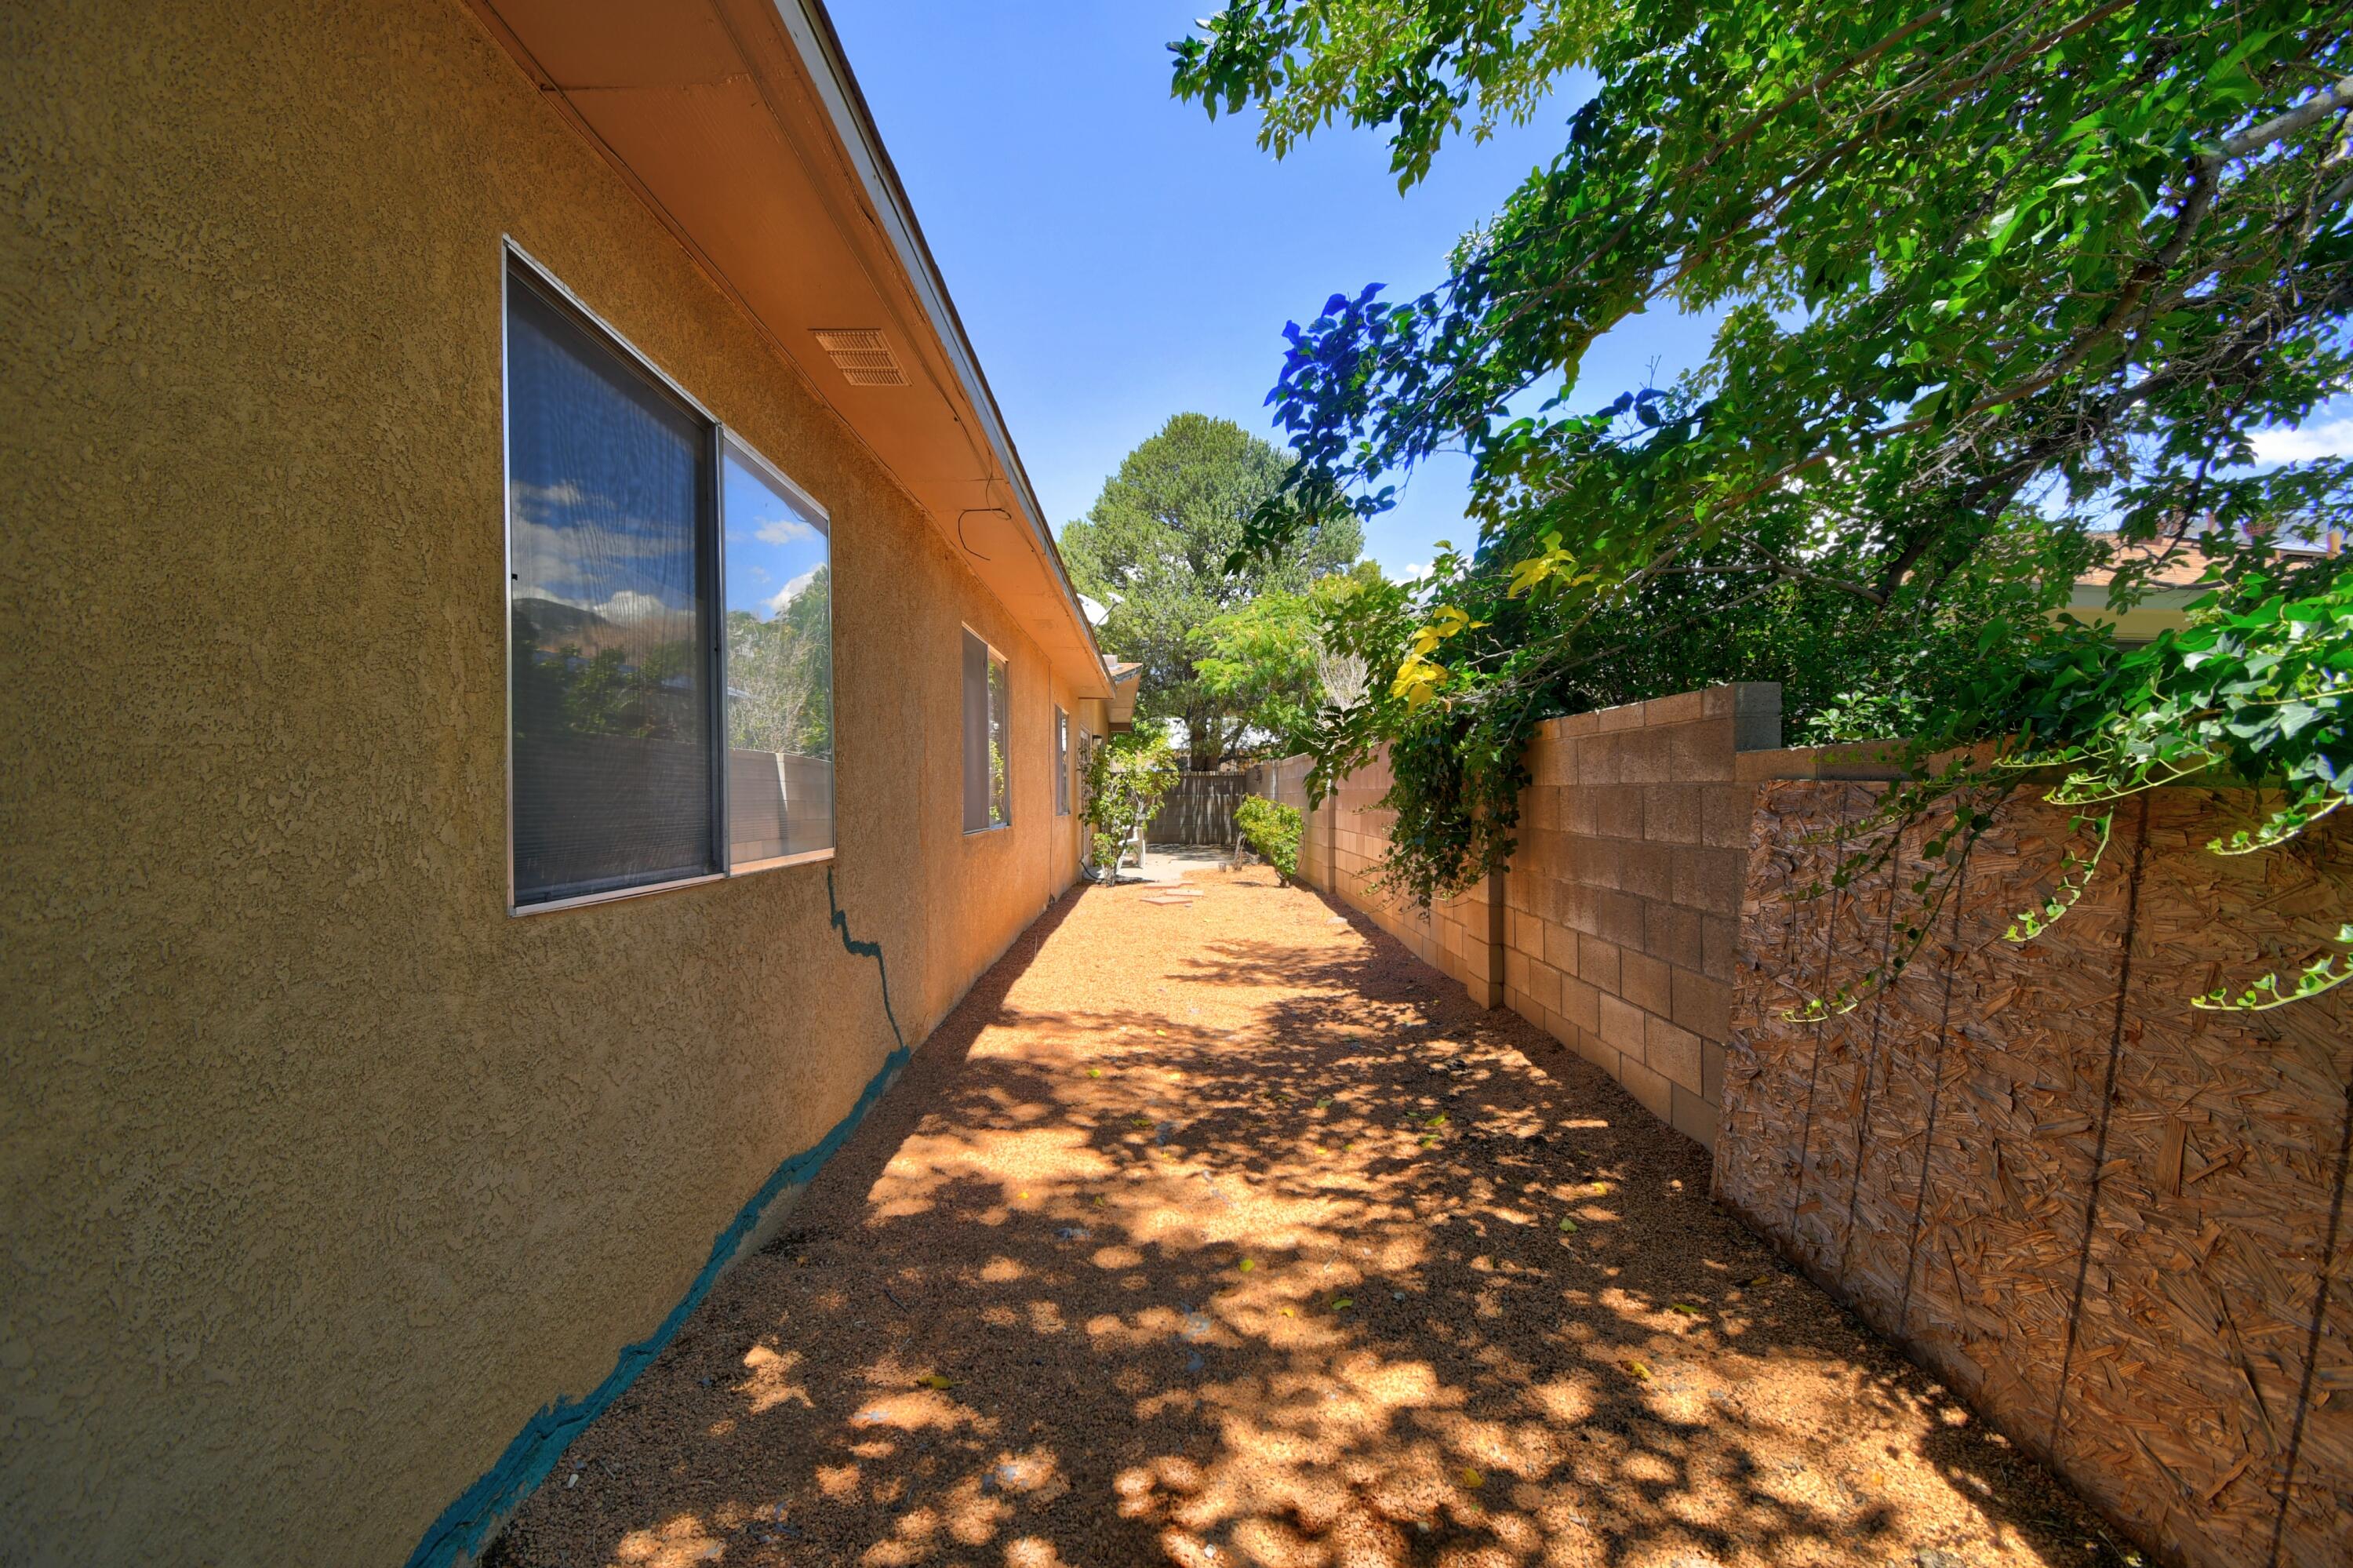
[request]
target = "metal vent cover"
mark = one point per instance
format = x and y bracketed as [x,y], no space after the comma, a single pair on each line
[861,354]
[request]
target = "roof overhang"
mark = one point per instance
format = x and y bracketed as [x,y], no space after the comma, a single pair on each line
[1126,683]
[739,123]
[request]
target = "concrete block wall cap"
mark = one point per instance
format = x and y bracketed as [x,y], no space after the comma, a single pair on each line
[1628,716]
[1680,708]
[1572,724]
[1762,767]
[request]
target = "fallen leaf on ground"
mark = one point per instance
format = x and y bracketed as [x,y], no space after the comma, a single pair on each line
[1473,1480]
[1686,1308]
[1343,1303]
[1568,1224]
[1248,1264]
[937,1381]
[1639,1369]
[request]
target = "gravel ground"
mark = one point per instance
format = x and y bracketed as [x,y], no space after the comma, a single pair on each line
[1224,1232]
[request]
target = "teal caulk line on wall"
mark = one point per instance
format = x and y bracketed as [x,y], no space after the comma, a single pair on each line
[461,1530]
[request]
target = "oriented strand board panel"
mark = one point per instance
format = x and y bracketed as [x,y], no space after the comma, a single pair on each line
[2113,1221]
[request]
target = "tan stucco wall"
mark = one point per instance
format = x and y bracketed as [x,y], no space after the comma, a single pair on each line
[321,1174]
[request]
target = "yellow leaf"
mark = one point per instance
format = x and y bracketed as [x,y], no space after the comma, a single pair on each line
[937,1381]
[1601,1189]
[1686,1308]
[1094,1072]
[1568,1224]
[1343,1303]
[1248,1264]
[1287,1312]
[1473,1480]
[1766,1278]
[1639,1369]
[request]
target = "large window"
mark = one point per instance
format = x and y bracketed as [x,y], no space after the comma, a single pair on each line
[647,749]
[1061,763]
[988,704]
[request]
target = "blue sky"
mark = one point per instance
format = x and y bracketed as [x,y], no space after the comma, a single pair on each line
[1118,258]
[775,544]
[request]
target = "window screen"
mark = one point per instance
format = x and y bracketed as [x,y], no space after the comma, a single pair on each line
[1061,763]
[987,789]
[610,494]
[779,665]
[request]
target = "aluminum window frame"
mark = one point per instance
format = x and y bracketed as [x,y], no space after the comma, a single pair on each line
[978,635]
[732,443]
[712,547]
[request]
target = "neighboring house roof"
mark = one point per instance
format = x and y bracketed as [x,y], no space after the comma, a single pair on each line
[740,125]
[2174,584]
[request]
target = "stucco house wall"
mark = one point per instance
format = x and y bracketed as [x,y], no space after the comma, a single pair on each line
[322,1174]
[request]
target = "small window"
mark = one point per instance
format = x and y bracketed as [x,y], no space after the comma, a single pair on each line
[1061,763]
[779,665]
[988,702]
[668,721]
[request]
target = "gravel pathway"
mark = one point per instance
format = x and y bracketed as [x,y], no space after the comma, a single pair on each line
[1223,1231]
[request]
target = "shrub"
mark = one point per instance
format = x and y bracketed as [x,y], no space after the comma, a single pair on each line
[1271,830]
[1126,778]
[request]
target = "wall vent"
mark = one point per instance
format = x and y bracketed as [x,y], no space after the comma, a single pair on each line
[861,356]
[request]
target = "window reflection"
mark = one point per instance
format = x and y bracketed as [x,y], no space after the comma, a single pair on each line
[611,687]
[779,666]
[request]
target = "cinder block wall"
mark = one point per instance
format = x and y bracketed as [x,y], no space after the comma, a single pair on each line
[1462,938]
[1356,834]
[1622,904]
[1614,928]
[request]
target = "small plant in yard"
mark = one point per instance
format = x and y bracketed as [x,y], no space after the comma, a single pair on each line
[1271,830]
[1126,778]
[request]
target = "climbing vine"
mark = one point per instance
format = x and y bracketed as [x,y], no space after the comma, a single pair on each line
[2003,290]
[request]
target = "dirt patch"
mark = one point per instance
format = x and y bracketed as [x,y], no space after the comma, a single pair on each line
[1228,1232]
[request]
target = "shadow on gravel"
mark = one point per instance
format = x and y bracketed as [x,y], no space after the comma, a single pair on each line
[1231,1234]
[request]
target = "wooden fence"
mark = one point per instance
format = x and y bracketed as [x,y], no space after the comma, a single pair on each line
[1199,810]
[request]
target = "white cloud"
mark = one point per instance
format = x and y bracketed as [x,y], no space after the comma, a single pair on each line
[534,499]
[1416,572]
[791,591]
[630,605]
[784,531]
[2333,440]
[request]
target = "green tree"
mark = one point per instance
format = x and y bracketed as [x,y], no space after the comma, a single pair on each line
[1155,548]
[780,674]
[1272,659]
[1994,277]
